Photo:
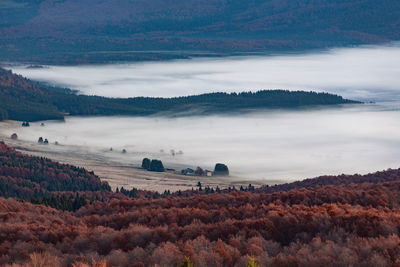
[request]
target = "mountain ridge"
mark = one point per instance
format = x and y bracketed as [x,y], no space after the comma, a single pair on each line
[25,100]
[64,32]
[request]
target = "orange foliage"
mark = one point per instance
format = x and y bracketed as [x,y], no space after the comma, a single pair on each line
[339,224]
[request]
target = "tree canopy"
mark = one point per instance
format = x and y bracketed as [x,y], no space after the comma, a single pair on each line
[25,100]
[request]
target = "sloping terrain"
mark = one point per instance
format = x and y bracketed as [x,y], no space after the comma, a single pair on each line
[74,31]
[41,180]
[354,222]
[24,100]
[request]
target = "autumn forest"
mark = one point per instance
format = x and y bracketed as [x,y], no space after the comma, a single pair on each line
[199,133]
[339,221]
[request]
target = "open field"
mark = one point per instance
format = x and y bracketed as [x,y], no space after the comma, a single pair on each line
[116,173]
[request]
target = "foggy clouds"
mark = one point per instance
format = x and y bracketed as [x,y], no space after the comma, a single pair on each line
[364,73]
[284,145]
[279,145]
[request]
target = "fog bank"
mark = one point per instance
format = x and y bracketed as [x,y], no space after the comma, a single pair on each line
[284,145]
[364,73]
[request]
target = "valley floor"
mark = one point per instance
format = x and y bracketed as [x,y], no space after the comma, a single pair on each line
[119,174]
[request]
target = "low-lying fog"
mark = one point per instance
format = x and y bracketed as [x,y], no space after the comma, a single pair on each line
[284,145]
[366,73]
[276,145]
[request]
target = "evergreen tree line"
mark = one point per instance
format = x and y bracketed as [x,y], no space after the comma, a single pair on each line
[42,181]
[62,202]
[26,100]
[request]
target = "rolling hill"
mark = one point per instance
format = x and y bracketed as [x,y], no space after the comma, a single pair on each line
[71,31]
[25,100]
[350,220]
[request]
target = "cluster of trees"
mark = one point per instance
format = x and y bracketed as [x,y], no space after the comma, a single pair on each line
[62,202]
[343,179]
[41,141]
[154,165]
[25,100]
[41,180]
[332,225]
[49,175]
[219,170]
[334,220]
[130,193]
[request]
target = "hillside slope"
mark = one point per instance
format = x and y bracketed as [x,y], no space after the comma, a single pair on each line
[70,31]
[352,222]
[41,180]
[24,100]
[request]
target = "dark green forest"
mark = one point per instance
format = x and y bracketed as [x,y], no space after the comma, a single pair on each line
[24,100]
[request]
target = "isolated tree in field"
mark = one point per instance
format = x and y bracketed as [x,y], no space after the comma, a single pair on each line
[146,163]
[221,169]
[156,166]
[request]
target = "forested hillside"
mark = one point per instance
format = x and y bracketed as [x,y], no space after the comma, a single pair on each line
[358,226]
[342,224]
[40,180]
[94,31]
[25,100]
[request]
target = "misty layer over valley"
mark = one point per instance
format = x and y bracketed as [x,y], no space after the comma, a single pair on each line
[199,133]
[364,73]
[264,146]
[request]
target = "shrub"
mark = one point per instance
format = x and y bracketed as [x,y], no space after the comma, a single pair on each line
[221,169]
[156,166]
[146,163]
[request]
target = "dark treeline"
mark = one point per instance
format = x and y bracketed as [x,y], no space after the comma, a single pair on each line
[61,202]
[343,179]
[24,100]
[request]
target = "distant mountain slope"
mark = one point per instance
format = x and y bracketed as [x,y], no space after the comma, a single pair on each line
[24,100]
[67,30]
